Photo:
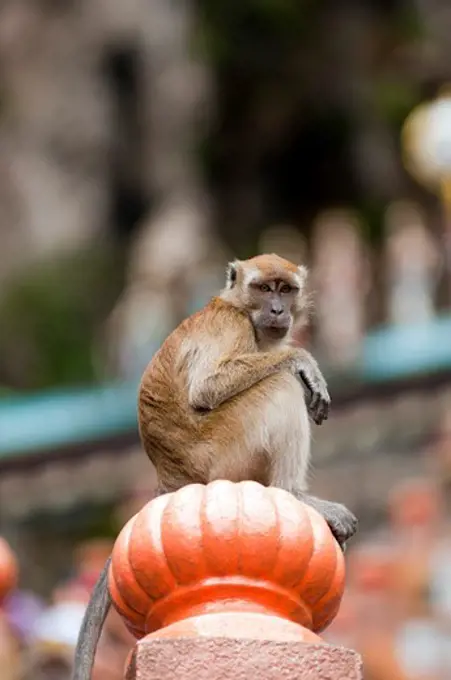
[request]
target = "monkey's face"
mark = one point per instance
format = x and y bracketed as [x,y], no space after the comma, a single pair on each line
[271,305]
[271,290]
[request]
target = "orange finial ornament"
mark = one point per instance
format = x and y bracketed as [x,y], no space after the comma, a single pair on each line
[226,563]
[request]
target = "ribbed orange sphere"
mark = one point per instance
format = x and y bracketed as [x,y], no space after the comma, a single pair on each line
[8,569]
[224,559]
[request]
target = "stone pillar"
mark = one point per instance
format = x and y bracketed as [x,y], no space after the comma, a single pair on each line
[228,659]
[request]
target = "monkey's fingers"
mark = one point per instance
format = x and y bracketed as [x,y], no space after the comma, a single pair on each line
[320,417]
[324,404]
[317,412]
[325,410]
[322,412]
[314,408]
[318,407]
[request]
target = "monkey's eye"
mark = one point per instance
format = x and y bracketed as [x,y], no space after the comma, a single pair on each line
[264,288]
[285,288]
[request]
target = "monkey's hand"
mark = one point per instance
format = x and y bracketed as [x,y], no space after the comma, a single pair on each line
[317,400]
[317,395]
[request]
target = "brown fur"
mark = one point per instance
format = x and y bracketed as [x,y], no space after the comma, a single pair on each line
[271,265]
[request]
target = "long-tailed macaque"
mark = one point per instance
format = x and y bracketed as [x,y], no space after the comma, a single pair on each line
[228,397]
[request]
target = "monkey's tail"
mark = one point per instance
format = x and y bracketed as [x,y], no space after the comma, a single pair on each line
[91,627]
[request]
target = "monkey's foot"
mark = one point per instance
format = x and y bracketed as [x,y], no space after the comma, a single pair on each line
[342,522]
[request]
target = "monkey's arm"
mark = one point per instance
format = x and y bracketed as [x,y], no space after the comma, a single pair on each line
[91,627]
[212,383]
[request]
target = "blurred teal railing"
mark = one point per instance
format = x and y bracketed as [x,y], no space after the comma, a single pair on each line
[402,351]
[58,418]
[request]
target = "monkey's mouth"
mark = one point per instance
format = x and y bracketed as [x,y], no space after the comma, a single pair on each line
[276,331]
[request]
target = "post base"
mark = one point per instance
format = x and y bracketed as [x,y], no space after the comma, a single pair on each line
[239,659]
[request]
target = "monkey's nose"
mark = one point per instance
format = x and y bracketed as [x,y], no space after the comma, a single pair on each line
[277,311]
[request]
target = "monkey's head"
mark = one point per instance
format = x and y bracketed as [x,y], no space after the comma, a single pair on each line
[271,290]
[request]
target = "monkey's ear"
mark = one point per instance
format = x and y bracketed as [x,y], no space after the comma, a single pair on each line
[231,274]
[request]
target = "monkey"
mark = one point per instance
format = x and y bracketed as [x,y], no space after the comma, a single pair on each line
[228,396]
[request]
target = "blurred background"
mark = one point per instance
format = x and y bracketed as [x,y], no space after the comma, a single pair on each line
[142,146]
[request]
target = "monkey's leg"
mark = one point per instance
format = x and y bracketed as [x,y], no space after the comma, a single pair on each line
[91,627]
[263,434]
